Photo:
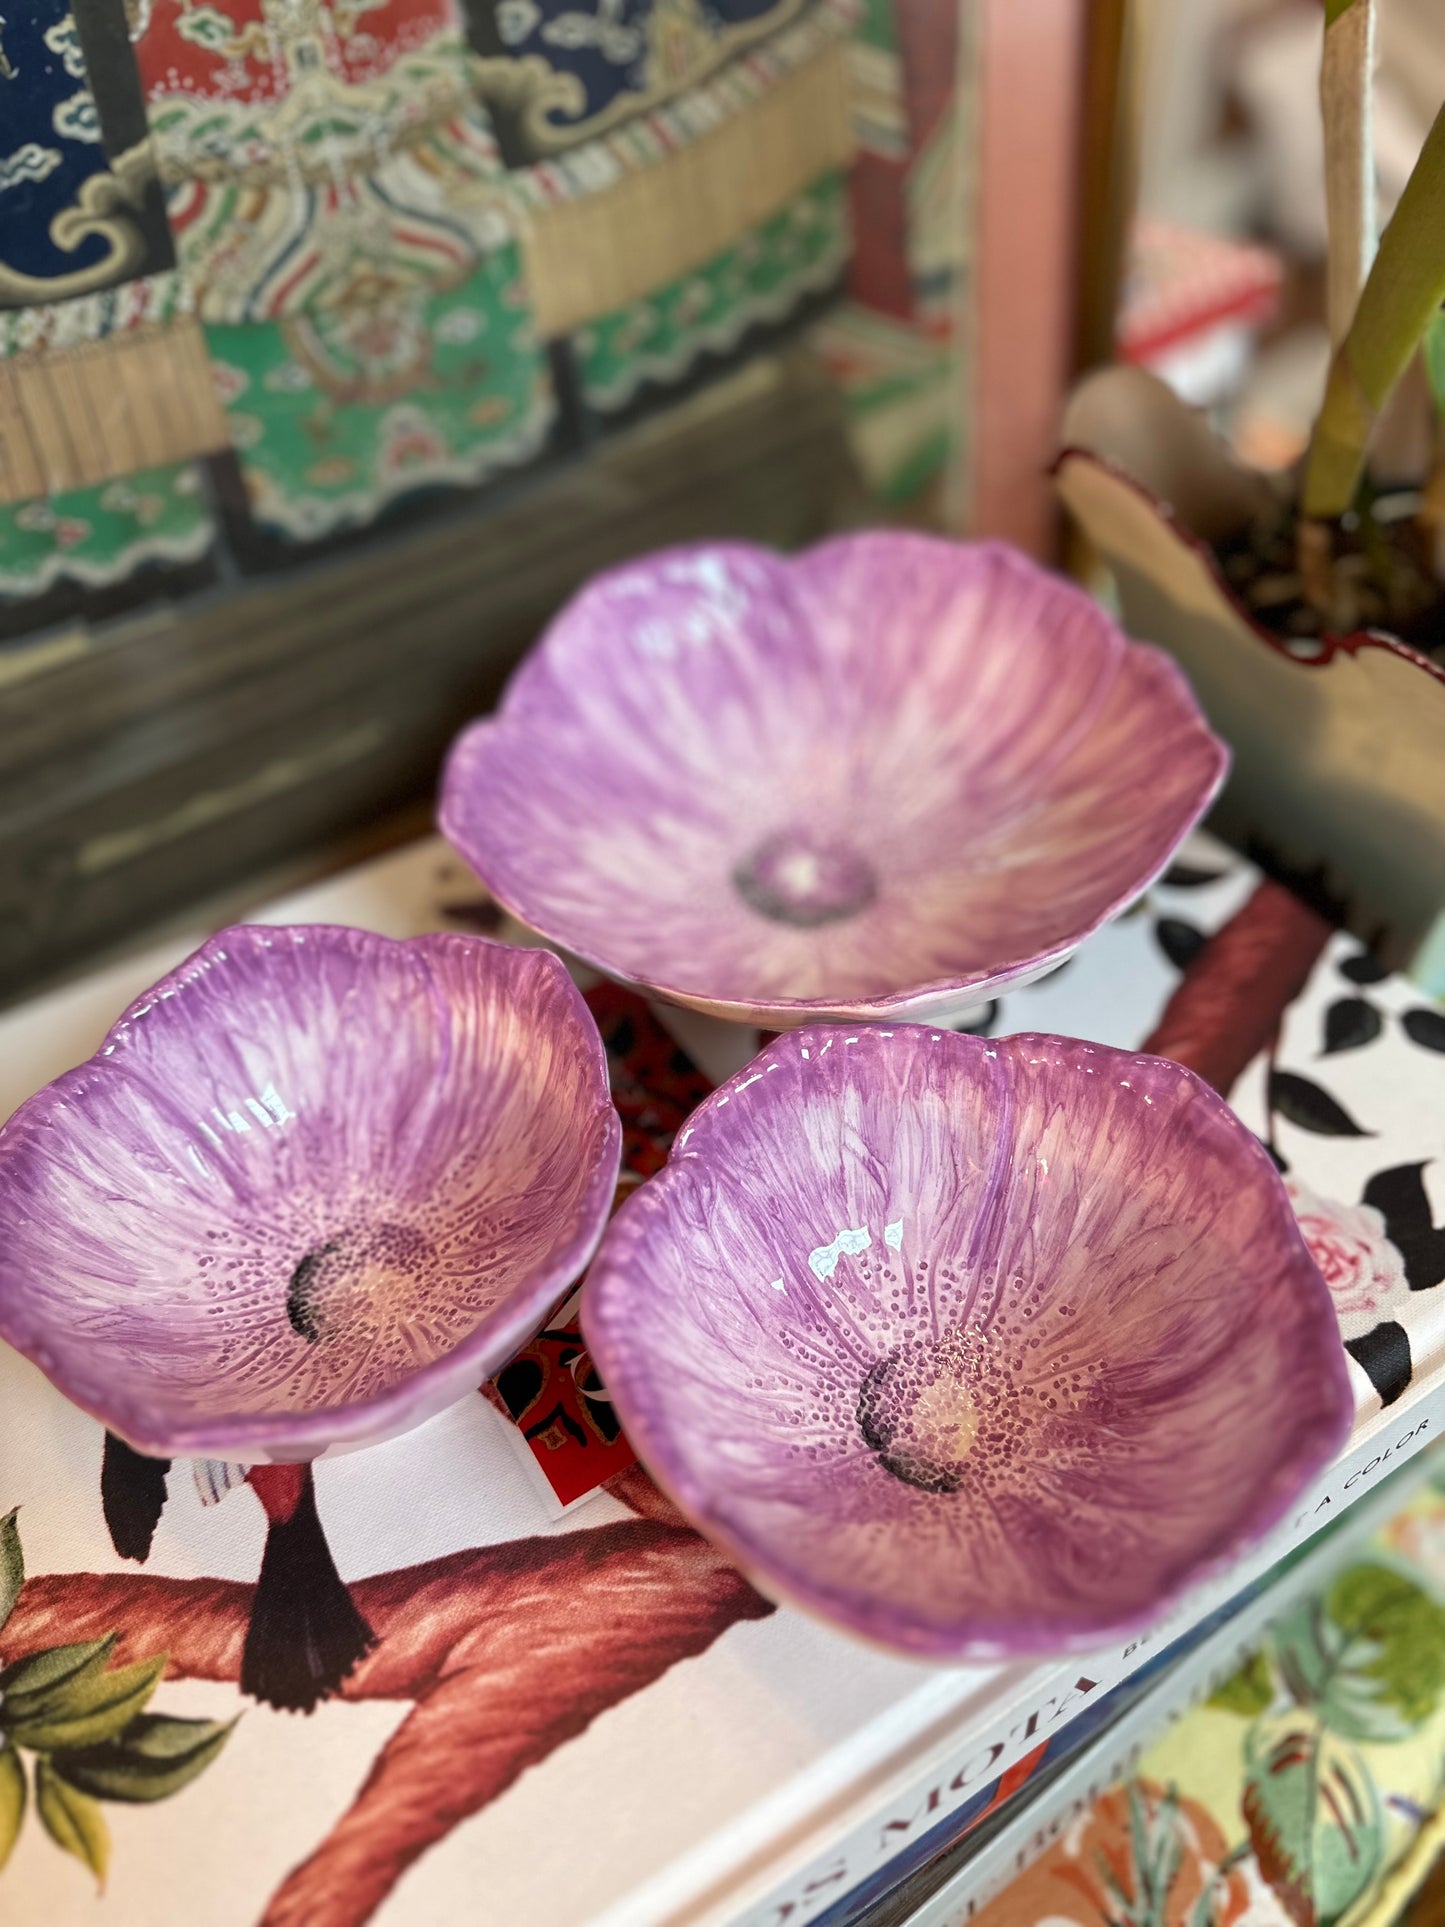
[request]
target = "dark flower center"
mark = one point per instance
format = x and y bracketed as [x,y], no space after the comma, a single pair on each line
[915,1411]
[805,881]
[363,1272]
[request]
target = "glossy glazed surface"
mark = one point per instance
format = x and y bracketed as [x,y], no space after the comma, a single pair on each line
[973,1348]
[885,778]
[314,1186]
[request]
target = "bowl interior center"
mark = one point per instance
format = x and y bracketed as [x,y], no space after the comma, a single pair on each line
[805,880]
[916,1411]
[361,1285]
[297,1319]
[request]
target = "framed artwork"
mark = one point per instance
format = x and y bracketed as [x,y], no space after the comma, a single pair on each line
[315,257]
[285,284]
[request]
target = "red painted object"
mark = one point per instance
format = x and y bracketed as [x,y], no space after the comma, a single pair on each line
[550,1390]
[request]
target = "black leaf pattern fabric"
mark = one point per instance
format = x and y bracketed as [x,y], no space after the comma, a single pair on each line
[1350,1022]
[1180,940]
[1362,968]
[1384,1355]
[1399,1196]
[1425,1027]
[1310,1107]
[1190,876]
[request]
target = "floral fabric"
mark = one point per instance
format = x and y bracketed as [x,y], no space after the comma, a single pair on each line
[1351,1245]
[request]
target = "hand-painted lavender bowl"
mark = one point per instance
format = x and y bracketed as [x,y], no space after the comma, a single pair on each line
[883,780]
[313,1187]
[971,1348]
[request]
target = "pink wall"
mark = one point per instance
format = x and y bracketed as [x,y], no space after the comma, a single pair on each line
[1030,103]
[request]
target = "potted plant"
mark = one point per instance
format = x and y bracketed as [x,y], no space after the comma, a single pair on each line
[1306,609]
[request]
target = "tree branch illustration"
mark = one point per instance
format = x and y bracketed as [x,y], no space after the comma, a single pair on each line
[1227,1007]
[508,1651]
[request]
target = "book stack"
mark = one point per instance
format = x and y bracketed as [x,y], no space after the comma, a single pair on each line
[576,1710]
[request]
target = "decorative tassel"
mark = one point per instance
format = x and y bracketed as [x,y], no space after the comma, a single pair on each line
[306,1634]
[132,1496]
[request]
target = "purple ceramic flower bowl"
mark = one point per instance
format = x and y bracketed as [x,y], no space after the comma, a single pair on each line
[313,1187]
[883,780]
[971,1348]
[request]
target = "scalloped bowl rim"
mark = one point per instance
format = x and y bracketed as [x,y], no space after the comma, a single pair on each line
[915,1002]
[383,1415]
[975,1637]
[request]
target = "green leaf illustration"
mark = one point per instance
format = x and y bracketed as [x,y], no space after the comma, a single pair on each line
[1370,1658]
[89,1710]
[25,1684]
[72,1819]
[1250,1691]
[12,1800]
[1205,1912]
[1313,1815]
[12,1565]
[154,1758]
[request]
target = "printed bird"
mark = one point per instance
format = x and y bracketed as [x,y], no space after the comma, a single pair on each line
[305,1634]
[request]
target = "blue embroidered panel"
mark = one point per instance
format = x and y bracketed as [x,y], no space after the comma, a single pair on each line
[80,208]
[559,71]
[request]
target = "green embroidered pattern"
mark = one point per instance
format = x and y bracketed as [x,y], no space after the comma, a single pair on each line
[101,535]
[762,278]
[336,414]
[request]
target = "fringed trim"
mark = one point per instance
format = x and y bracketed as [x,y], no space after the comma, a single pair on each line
[588,258]
[143,303]
[654,138]
[89,414]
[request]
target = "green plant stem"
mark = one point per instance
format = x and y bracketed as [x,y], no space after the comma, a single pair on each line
[1346,73]
[1405,288]
[1432,506]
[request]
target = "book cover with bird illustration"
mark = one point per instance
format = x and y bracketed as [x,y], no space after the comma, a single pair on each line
[385,1687]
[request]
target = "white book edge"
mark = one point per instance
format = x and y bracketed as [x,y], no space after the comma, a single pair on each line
[780,1868]
[1117,1751]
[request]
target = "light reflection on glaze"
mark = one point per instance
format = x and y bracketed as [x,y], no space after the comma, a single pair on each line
[823,1260]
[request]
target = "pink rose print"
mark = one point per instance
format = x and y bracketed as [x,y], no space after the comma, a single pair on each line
[1364,1271]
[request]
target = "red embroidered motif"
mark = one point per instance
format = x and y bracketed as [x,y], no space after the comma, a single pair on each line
[550,1390]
